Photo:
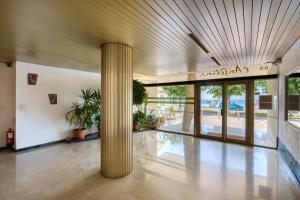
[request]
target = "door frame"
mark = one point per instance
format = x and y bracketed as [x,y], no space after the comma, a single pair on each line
[249,97]
[197,117]
[248,101]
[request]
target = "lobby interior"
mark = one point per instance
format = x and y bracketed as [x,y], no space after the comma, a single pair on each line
[150,99]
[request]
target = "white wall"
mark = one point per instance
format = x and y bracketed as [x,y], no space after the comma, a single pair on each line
[37,121]
[7,100]
[288,134]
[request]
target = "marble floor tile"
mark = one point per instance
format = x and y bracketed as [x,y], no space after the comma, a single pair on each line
[166,166]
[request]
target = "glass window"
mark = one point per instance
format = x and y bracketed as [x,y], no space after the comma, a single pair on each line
[211,107]
[265,112]
[293,100]
[236,111]
[173,106]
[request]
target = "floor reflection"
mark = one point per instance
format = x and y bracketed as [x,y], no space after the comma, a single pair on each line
[235,171]
[166,166]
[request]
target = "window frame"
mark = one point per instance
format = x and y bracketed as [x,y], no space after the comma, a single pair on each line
[286,94]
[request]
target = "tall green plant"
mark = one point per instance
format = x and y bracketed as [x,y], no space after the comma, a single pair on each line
[139,93]
[293,85]
[81,112]
[175,91]
[139,117]
[261,85]
[97,107]
[216,92]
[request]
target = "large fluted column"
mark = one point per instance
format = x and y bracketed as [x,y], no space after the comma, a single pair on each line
[116,113]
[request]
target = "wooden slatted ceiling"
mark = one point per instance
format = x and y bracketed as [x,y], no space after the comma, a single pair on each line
[69,33]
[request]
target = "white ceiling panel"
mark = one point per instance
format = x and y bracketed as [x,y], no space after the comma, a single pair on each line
[69,33]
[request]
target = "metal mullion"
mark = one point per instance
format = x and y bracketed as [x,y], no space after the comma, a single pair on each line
[197,110]
[224,111]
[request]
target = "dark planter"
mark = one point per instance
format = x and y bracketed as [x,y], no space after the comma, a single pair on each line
[79,134]
[135,126]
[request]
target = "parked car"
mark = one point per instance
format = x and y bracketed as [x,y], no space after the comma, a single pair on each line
[232,106]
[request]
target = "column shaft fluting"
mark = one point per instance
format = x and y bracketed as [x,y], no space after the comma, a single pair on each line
[116,113]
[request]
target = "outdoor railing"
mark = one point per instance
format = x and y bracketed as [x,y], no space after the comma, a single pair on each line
[170,100]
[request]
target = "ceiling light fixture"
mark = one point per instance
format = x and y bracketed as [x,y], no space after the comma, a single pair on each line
[214,59]
[197,41]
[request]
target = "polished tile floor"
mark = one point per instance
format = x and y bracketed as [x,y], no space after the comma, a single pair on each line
[166,166]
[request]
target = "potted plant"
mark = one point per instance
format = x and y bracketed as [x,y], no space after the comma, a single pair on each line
[81,114]
[138,119]
[151,121]
[159,121]
[97,108]
[139,96]
[139,93]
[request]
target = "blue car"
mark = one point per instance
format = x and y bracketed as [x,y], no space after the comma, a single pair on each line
[235,106]
[232,105]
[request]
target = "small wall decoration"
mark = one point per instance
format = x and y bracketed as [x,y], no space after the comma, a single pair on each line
[52,98]
[32,78]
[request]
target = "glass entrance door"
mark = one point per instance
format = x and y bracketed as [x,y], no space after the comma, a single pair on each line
[236,112]
[223,111]
[211,106]
[243,111]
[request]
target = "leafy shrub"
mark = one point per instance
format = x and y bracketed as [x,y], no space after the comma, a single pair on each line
[139,93]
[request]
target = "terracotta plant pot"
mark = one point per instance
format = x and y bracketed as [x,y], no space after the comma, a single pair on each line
[135,126]
[79,134]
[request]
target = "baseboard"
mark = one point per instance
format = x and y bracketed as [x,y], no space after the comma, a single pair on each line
[40,145]
[47,144]
[289,159]
[91,136]
[7,148]
[142,130]
[3,148]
